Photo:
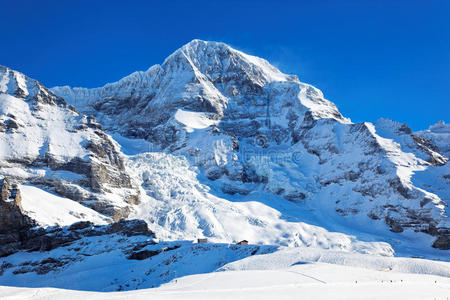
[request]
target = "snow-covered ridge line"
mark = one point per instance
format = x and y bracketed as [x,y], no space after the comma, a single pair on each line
[439,134]
[81,97]
[19,85]
[196,55]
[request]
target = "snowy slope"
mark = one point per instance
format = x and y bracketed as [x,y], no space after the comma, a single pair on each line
[309,281]
[183,208]
[221,271]
[49,209]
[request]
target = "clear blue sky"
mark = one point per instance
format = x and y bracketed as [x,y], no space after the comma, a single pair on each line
[372,58]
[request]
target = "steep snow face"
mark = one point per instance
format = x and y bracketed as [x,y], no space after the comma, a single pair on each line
[194,120]
[438,134]
[251,128]
[437,179]
[44,141]
[49,209]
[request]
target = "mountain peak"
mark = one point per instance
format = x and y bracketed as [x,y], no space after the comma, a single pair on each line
[440,127]
[201,76]
[17,84]
[203,46]
[216,59]
[13,82]
[202,43]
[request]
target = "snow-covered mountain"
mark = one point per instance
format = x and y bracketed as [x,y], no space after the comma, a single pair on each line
[252,129]
[211,143]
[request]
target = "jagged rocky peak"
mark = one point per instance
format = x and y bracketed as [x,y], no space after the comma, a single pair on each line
[438,134]
[205,77]
[18,85]
[221,64]
[421,146]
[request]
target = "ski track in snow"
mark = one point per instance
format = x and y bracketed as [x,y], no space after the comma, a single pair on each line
[336,282]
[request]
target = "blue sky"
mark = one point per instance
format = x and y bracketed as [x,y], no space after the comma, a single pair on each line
[372,58]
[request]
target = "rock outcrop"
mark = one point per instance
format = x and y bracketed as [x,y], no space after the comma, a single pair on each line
[46,239]
[12,217]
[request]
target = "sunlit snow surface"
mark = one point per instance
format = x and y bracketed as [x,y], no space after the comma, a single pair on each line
[285,274]
[49,209]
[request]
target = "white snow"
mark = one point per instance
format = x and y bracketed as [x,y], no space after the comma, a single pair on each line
[310,281]
[49,209]
[194,120]
[284,274]
[177,206]
[47,130]
[439,134]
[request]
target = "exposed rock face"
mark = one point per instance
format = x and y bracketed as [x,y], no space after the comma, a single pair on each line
[250,127]
[46,239]
[12,217]
[144,254]
[443,241]
[58,149]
